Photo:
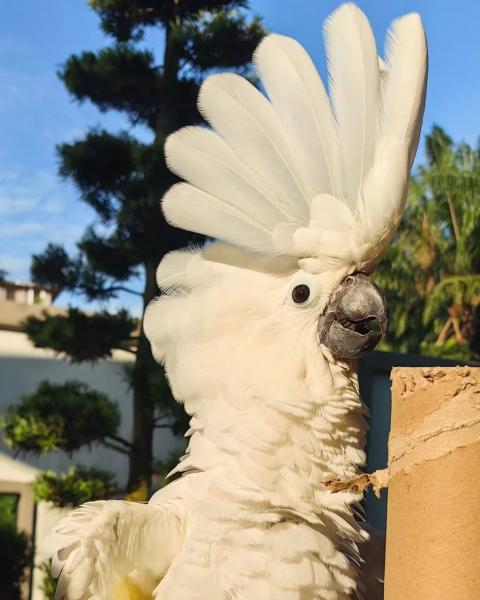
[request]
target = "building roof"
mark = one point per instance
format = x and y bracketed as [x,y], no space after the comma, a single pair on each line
[12,314]
[22,284]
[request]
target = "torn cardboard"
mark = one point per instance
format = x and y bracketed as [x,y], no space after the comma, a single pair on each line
[433,523]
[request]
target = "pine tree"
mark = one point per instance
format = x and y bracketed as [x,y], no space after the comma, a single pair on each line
[123,178]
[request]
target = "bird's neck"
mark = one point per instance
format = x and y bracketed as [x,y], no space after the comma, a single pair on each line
[283,447]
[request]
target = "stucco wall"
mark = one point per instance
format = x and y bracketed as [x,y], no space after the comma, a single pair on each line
[21,370]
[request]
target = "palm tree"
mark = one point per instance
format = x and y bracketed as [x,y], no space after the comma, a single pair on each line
[432,270]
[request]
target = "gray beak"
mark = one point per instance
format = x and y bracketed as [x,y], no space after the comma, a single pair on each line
[355,319]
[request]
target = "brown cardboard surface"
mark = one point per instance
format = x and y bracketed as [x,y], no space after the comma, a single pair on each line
[433,525]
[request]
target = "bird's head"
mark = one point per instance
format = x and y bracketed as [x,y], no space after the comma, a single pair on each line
[305,190]
[232,319]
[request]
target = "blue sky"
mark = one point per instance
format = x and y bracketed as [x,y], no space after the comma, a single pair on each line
[36,113]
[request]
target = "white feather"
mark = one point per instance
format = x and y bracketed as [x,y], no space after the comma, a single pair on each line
[400,119]
[249,124]
[171,270]
[385,191]
[299,98]
[254,181]
[94,547]
[354,89]
[192,209]
[405,86]
[201,157]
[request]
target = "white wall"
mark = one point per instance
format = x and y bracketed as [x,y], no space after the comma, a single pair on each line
[46,518]
[23,367]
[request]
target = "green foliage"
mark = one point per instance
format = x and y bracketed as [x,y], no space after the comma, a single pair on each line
[452,290]
[431,271]
[30,434]
[60,417]
[54,269]
[8,509]
[90,272]
[49,583]
[82,337]
[104,167]
[114,256]
[110,80]
[223,38]
[78,485]
[15,551]
[450,349]
[127,20]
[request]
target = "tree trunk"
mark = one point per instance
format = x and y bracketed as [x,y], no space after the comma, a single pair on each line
[141,457]
[442,336]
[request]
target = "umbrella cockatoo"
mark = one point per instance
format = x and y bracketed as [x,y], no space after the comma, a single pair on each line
[259,331]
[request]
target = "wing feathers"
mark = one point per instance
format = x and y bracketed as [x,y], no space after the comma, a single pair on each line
[99,543]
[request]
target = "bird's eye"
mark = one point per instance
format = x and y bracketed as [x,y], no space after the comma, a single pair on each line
[300,293]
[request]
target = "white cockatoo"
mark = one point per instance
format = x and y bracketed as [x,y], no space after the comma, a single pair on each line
[260,330]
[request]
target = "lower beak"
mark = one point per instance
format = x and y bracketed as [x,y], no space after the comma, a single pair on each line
[355,319]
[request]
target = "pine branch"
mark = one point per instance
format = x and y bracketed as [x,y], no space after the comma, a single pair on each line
[121,440]
[82,337]
[121,288]
[108,444]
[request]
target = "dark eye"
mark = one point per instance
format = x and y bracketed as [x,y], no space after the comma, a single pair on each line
[300,293]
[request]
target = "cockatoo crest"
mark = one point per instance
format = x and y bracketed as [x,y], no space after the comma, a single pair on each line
[321,178]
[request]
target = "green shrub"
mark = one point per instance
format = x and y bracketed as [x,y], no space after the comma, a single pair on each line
[49,583]
[76,486]
[15,551]
[56,417]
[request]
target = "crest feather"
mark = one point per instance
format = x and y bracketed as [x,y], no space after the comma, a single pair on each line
[299,173]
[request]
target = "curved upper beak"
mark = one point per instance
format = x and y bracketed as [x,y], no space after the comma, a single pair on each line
[355,319]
